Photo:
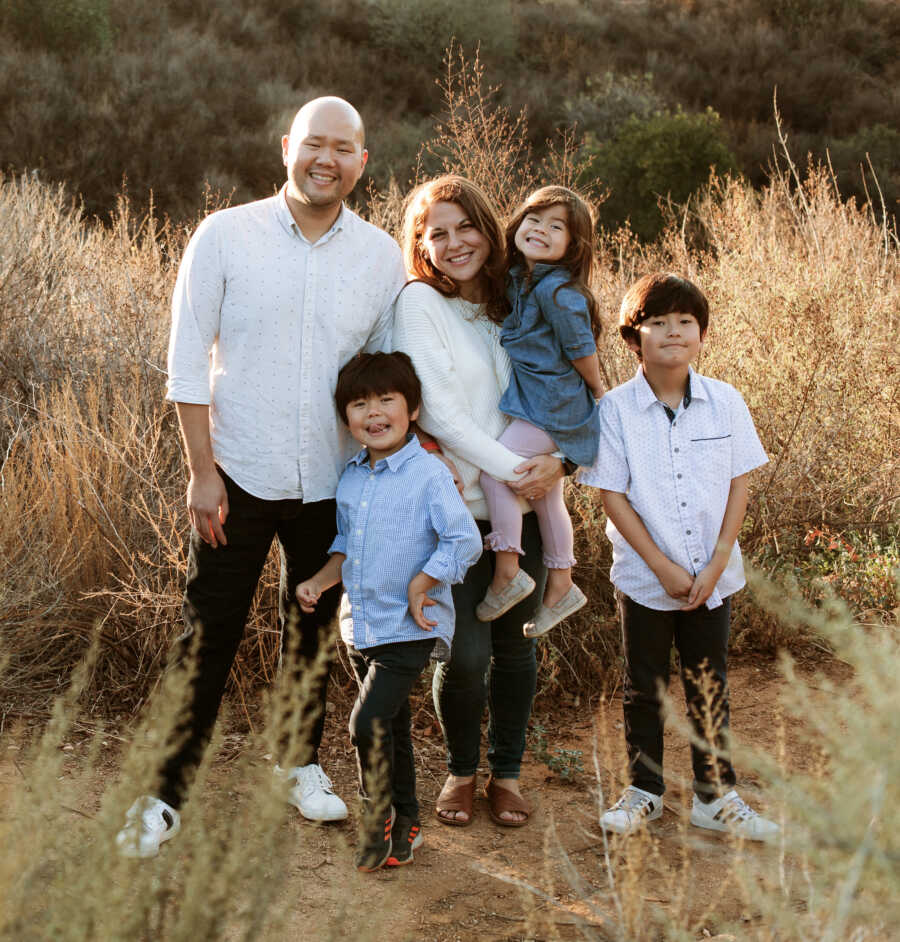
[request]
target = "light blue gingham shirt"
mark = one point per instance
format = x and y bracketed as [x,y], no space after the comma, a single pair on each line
[677,475]
[400,518]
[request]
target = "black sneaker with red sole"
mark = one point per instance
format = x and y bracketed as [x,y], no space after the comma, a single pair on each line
[406,837]
[375,843]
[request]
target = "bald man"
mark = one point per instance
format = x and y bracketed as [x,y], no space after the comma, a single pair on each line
[272,298]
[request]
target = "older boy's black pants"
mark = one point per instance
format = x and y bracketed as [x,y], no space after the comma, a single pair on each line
[220,587]
[380,722]
[701,638]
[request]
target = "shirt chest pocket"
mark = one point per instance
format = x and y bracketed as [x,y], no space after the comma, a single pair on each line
[711,458]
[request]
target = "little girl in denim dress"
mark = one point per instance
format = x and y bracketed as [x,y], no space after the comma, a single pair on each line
[550,336]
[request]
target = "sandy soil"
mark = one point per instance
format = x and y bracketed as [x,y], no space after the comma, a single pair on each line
[470,883]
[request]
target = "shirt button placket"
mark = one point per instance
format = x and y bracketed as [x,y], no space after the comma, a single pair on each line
[357,546]
[306,370]
[688,529]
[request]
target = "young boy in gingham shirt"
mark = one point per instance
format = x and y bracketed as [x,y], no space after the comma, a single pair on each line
[404,536]
[675,452]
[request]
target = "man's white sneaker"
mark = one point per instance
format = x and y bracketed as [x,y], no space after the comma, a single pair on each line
[632,810]
[148,822]
[312,793]
[731,813]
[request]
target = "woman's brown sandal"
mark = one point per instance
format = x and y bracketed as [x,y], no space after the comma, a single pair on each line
[455,798]
[501,799]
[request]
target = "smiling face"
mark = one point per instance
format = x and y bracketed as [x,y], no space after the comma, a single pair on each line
[456,248]
[668,341]
[543,235]
[380,422]
[324,153]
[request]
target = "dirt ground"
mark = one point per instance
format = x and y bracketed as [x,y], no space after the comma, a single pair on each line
[470,883]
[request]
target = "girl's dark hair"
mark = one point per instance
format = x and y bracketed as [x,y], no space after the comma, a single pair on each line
[452,188]
[374,374]
[579,257]
[660,293]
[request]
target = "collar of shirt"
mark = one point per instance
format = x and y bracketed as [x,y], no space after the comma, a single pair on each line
[286,220]
[520,275]
[393,462]
[646,397]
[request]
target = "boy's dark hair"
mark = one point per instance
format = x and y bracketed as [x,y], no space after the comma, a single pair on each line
[375,374]
[660,293]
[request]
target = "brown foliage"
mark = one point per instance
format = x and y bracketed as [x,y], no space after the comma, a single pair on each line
[804,295]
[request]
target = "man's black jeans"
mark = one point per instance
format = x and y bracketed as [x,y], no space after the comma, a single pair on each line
[220,586]
[380,721]
[701,638]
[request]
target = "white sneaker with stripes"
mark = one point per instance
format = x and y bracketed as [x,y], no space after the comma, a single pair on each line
[731,813]
[148,823]
[632,810]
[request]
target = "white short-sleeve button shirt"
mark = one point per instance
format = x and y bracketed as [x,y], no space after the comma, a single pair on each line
[676,471]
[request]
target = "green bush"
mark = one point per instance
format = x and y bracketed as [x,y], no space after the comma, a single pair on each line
[66,26]
[667,155]
[848,158]
[609,100]
[418,33]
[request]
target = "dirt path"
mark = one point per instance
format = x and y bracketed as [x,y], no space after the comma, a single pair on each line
[462,884]
[457,888]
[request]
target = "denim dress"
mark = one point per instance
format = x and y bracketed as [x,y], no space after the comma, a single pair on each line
[545,330]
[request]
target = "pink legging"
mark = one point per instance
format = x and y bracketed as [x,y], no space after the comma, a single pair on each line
[526,440]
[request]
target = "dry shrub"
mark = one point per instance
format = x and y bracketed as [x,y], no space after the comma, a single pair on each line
[92,525]
[804,293]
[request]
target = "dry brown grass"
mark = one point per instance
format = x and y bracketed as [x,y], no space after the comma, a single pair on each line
[805,295]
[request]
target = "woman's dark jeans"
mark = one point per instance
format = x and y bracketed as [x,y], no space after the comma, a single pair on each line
[491,663]
[701,638]
[220,587]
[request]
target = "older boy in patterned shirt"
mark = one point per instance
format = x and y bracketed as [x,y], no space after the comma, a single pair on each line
[675,452]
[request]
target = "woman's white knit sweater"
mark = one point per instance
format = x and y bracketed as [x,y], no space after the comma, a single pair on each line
[464,370]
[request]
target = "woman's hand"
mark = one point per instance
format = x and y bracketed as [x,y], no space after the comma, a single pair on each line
[540,473]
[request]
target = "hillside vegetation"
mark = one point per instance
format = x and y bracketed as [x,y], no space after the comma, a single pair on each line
[166,97]
[805,295]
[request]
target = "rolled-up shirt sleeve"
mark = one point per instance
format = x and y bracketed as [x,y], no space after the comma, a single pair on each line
[459,540]
[566,310]
[339,543]
[196,310]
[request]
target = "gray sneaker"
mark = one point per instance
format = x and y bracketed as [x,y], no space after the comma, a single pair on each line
[547,618]
[499,603]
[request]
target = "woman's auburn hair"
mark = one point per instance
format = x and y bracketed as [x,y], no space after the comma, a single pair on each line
[578,259]
[452,188]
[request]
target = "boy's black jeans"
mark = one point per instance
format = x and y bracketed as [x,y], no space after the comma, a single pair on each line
[380,721]
[701,638]
[220,587]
